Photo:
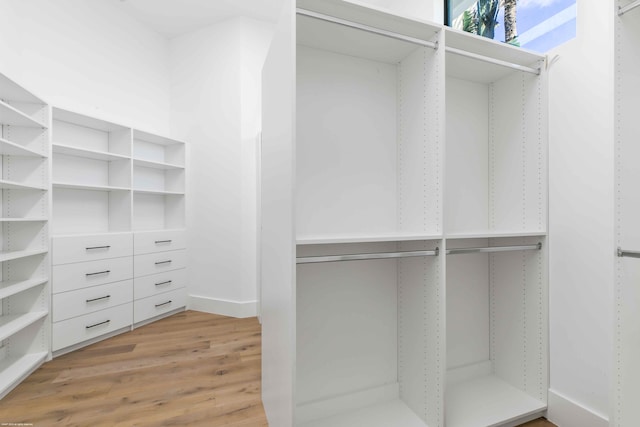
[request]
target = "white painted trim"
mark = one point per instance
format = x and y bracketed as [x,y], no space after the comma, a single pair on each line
[240,309]
[566,413]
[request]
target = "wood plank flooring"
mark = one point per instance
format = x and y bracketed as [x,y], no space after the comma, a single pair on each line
[191,369]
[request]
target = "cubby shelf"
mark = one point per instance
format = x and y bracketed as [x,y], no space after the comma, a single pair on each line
[25,219]
[11,255]
[13,369]
[72,186]
[13,323]
[12,287]
[86,153]
[12,185]
[14,117]
[155,165]
[159,192]
[8,148]
[488,401]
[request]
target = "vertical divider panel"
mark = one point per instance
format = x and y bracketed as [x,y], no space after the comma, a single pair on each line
[626,378]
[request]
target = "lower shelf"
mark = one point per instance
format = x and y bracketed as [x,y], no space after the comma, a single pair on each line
[12,370]
[393,413]
[487,401]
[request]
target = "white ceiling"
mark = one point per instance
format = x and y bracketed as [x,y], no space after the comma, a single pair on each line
[174,17]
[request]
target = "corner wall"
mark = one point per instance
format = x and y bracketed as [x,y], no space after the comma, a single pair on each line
[215,93]
[89,57]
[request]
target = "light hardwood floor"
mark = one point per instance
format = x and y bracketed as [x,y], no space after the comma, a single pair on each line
[191,369]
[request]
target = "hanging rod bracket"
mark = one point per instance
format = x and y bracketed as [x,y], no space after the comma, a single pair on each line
[629,254]
[622,10]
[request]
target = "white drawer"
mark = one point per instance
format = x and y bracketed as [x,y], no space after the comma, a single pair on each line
[84,301]
[147,286]
[144,265]
[83,328]
[158,241]
[69,277]
[156,305]
[69,249]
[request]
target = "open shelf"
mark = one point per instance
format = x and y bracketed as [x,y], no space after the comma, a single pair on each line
[159,192]
[14,323]
[72,186]
[11,185]
[33,219]
[12,91]
[386,414]
[155,165]
[12,287]
[14,117]
[364,238]
[13,369]
[8,148]
[11,255]
[496,234]
[86,153]
[488,401]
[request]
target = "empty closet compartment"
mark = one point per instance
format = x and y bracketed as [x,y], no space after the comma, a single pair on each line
[368,335]
[496,140]
[158,164]
[367,152]
[496,316]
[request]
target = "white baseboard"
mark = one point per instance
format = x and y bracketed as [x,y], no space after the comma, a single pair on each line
[240,309]
[564,412]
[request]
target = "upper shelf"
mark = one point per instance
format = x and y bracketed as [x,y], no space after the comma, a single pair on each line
[85,121]
[86,153]
[486,60]
[155,165]
[8,148]
[11,116]
[154,139]
[365,238]
[12,185]
[11,91]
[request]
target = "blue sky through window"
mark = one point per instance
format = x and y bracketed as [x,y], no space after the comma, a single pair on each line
[542,24]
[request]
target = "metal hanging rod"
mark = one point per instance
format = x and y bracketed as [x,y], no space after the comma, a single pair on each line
[366,28]
[627,8]
[361,257]
[629,254]
[535,247]
[490,60]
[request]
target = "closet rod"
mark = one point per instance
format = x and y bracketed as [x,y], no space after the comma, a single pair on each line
[627,8]
[366,28]
[494,249]
[490,60]
[629,254]
[360,257]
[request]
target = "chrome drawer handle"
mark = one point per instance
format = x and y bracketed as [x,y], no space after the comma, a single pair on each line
[97,247]
[98,272]
[98,299]
[163,262]
[164,283]
[164,303]
[162,241]
[98,324]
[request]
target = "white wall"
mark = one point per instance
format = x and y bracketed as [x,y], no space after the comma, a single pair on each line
[581,220]
[87,56]
[215,75]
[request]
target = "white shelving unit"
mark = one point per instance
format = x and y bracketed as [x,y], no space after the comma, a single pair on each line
[625,409]
[24,282]
[354,163]
[109,182]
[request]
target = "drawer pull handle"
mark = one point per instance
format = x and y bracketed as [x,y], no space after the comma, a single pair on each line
[97,247]
[98,272]
[98,299]
[164,303]
[163,262]
[98,324]
[158,242]
[164,283]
